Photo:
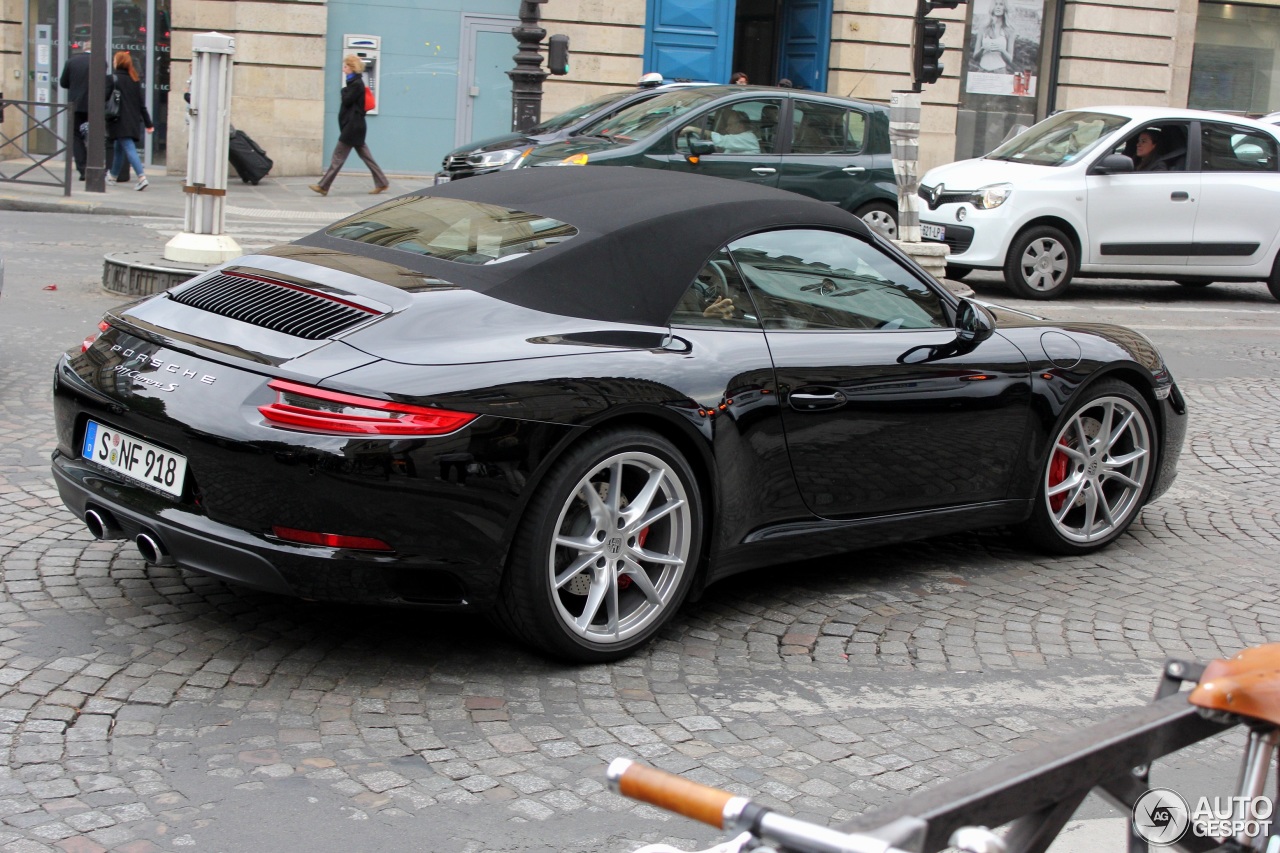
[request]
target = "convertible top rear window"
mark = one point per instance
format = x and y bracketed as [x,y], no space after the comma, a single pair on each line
[451,229]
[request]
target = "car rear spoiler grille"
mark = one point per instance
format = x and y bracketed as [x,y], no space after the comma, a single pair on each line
[272,304]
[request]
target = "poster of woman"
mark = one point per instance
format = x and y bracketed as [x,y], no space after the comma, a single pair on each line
[1004,51]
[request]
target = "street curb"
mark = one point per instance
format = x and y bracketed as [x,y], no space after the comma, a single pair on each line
[70,206]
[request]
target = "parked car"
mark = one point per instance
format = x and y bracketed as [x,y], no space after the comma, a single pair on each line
[829,148]
[518,394]
[1065,198]
[496,153]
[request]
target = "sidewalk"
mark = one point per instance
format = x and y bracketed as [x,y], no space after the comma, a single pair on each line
[273,198]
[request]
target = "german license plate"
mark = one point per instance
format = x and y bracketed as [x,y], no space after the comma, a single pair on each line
[932,232]
[133,458]
[441,179]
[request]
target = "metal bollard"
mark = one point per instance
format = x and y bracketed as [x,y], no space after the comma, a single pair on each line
[202,240]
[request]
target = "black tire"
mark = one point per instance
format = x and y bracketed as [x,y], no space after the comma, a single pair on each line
[1067,517]
[1194,282]
[544,600]
[956,273]
[880,217]
[1041,263]
[1273,283]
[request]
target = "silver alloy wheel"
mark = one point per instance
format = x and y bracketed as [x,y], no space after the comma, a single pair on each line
[883,222]
[621,547]
[1043,264]
[1098,469]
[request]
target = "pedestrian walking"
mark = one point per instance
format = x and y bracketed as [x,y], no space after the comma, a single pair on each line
[75,79]
[126,129]
[351,130]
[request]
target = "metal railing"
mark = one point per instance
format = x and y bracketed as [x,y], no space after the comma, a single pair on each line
[25,168]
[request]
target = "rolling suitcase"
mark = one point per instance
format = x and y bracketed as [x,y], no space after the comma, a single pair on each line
[247,158]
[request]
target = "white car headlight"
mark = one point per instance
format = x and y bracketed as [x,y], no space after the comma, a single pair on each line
[991,196]
[490,159]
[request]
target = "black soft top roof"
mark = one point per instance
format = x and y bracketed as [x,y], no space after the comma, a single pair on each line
[643,235]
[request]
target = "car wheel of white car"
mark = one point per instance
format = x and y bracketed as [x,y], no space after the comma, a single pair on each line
[1193,282]
[1040,263]
[1273,283]
[956,273]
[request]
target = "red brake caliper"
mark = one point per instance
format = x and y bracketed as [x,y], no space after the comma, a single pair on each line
[625,581]
[1057,473]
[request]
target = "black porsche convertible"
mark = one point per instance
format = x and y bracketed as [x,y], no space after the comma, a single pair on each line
[570,397]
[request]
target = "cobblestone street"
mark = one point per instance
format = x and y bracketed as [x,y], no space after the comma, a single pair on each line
[149,709]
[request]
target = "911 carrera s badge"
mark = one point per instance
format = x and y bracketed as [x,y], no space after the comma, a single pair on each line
[141,363]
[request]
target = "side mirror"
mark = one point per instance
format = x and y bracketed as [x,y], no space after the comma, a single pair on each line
[1114,164]
[973,325]
[699,146]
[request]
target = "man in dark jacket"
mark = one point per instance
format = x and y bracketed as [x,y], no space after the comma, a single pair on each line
[75,79]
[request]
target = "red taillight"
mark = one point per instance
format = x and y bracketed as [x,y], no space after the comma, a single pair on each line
[321,410]
[88,341]
[331,540]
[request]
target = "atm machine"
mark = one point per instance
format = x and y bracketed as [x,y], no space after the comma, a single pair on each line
[368,48]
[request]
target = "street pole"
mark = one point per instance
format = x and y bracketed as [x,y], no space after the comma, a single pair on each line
[527,77]
[202,240]
[95,165]
[904,143]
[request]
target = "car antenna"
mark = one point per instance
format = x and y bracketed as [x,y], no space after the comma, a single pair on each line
[860,79]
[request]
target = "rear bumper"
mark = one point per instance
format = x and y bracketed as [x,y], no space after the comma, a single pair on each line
[229,553]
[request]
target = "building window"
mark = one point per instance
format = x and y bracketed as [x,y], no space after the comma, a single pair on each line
[1236,59]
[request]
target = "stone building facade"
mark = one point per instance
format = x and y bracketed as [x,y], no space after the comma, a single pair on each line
[442,79]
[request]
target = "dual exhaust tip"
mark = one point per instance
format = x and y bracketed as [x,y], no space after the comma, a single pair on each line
[102,526]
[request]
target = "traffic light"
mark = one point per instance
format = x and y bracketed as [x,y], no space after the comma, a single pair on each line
[927,46]
[558,54]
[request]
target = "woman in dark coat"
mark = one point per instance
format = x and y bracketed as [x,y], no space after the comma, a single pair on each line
[351,130]
[126,129]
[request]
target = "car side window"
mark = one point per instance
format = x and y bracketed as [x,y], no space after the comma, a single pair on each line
[818,128]
[716,298]
[810,279]
[743,127]
[1157,147]
[1224,148]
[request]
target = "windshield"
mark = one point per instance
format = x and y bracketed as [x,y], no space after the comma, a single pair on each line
[1060,139]
[576,114]
[641,120]
[464,231]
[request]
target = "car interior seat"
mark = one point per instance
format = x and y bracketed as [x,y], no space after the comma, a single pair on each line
[1173,148]
[811,136]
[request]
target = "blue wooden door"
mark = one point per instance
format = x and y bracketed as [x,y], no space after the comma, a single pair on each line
[690,39]
[806,37]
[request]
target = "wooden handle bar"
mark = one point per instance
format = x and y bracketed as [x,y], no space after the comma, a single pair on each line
[671,792]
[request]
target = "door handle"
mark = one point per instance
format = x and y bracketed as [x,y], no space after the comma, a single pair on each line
[763,170]
[814,402]
[853,170]
[1179,196]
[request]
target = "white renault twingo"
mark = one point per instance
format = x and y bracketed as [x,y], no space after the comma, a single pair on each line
[1124,192]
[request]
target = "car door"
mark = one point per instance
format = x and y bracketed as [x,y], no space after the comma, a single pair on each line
[744,135]
[1239,195]
[882,413]
[833,154]
[1142,218]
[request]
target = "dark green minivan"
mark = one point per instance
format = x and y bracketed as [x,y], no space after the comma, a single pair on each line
[826,147]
